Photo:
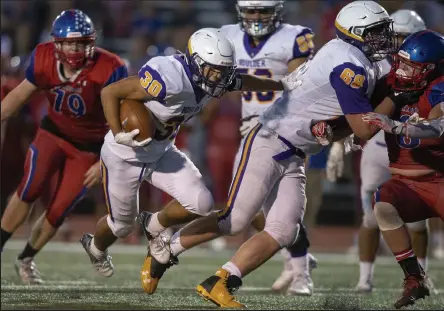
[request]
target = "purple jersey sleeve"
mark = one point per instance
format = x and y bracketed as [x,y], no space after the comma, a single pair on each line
[303,44]
[350,84]
[152,82]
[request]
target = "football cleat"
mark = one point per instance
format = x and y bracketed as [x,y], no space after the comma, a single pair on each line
[364,288]
[415,288]
[312,262]
[219,289]
[152,271]
[158,246]
[283,281]
[27,270]
[102,264]
[301,285]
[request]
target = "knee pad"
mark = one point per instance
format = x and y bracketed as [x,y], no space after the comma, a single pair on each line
[387,216]
[417,226]
[284,234]
[119,228]
[302,242]
[204,204]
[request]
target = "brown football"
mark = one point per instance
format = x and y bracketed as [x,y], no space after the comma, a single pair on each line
[134,115]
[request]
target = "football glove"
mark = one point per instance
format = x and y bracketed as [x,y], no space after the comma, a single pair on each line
[127,139]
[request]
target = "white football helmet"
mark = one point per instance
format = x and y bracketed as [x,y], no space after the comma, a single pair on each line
[260,26]
[367,25]
[212,60]
[406,22]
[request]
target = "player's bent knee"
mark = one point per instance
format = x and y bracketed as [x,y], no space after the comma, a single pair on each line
[119,228]
[284,235]
[417,225]
[233,224]
[387,216]
[204,205]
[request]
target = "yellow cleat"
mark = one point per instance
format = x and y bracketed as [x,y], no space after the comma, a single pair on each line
[152,271]
[219,289]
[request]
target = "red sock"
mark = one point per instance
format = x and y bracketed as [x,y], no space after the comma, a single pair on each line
[407,253]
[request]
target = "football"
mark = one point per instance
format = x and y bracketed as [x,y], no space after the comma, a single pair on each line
[134,115]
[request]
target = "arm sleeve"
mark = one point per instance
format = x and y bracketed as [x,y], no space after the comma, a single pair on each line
[152,81]
[436,95]
[30,72]
[303,44]
[350,84]
[119,73]
[426,129]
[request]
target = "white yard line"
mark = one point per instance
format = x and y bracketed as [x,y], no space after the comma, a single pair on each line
[74,285]
[71,247]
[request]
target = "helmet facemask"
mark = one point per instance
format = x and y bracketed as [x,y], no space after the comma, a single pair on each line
[214,80]
[75,59]
[407,75]
[267,21]
[379,40]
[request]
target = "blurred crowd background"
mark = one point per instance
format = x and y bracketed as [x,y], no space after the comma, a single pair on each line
[139,30]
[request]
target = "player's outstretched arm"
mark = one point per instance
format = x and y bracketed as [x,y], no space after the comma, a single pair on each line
[254,83]
[431,128]
[112,95]
[17,98]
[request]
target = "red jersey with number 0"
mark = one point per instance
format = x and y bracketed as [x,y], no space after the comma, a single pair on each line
[415,153]
[75,106]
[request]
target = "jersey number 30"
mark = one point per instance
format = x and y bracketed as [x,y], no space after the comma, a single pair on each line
[262,97]
[75,102]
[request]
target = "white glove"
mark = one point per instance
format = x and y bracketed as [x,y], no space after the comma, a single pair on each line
[350,145]
[335,162]
[127,139]
[290,82]
[247,125]
[383,122]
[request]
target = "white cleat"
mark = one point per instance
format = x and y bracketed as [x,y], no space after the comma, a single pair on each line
[158,246]
[283,281]
[312,262]
[102,264]
[364,287]
[28,272]
[302,285]
[431,286]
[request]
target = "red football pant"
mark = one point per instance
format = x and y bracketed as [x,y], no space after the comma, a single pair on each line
[414,200]
[48,155]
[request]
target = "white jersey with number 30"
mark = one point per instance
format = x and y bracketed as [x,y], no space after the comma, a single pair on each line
[268,59]
[175,100]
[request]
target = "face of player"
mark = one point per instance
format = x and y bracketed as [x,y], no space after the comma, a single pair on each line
[256,15]
[70,47]
[216,79]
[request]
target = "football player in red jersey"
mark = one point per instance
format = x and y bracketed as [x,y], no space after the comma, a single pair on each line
[72,72]
[416,190]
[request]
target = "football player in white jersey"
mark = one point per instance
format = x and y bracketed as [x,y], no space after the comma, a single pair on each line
[374,172]
[337,82]
[174,89]
[265,46]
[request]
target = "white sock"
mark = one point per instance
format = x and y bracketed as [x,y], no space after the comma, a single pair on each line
[366,272]
[232,268]
[154,227]
[94,250]
[175,246]
[424,263]
[299,265]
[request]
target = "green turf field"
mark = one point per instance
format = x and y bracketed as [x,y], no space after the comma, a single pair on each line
[72,284]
